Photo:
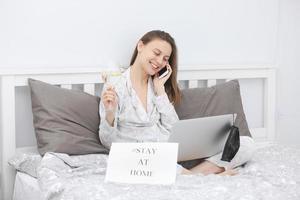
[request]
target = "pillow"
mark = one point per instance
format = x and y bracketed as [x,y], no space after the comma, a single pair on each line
[65,121]
[220,99]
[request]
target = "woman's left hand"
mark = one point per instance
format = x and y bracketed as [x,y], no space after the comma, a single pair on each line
[160,82]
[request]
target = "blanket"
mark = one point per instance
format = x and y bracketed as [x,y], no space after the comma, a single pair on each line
[273,173]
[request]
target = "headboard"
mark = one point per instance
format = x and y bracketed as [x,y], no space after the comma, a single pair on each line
[89,79]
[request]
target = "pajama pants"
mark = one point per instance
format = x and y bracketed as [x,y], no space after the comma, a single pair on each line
[243,155]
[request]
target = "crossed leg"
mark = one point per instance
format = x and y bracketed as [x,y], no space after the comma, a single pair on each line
[206,167]
[214,165]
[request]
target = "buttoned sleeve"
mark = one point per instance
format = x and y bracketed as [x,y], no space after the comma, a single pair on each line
[108,133]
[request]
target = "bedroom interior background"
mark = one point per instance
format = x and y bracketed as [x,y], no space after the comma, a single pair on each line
[40,35]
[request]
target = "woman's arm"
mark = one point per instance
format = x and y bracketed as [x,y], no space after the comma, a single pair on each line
[108,131]
[168,115]
[108,109]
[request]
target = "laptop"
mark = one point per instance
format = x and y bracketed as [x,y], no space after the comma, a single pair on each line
[201,137]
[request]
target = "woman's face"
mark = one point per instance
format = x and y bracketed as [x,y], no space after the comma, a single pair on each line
[154,55]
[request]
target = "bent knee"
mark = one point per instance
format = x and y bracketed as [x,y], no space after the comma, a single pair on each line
[247,145]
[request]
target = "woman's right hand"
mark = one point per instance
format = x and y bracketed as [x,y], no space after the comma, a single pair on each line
[109,99]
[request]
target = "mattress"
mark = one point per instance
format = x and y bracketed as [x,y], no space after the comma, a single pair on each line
[26,187]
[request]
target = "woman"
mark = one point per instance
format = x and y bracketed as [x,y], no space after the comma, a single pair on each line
[139,107]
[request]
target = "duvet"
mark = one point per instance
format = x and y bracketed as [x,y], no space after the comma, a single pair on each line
[273,173]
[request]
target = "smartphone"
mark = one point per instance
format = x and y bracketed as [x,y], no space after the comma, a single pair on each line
[163,72]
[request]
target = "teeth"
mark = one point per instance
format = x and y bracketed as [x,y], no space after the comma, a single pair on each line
[154,66]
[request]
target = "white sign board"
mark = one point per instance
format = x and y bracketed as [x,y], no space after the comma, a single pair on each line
[150,163]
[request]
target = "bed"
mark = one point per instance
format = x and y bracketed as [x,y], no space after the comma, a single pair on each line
[273,172]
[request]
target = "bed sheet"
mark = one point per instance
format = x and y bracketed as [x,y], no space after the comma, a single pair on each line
[26,187]
[273,173]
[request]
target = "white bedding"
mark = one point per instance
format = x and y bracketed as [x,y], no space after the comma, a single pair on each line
[26,187]
[273,173]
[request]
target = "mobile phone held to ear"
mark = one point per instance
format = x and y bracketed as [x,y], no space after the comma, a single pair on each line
[163,72]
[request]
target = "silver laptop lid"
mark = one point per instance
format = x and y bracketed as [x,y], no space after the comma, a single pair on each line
[201,137]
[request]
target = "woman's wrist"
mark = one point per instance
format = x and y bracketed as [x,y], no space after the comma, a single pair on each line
[110,118]
[160,91]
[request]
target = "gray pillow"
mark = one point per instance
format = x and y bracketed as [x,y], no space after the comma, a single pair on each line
[65,121]
[221,99]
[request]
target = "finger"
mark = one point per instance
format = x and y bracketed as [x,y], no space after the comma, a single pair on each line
[109,96]
[169,73]
[110,92]
[110,87]
[103,96]
[164,79]
[169,68]
[108,100]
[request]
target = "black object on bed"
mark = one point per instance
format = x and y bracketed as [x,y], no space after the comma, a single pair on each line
[232,144]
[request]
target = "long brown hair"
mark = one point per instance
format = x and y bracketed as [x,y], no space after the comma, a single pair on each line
[171,85]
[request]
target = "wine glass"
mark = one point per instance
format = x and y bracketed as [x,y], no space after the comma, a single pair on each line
[110,76]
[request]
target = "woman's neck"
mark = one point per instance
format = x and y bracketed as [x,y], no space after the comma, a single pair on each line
[138,75]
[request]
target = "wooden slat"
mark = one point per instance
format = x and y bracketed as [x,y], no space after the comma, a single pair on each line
[66,86]
[193,83]
[211,82]
[89,88]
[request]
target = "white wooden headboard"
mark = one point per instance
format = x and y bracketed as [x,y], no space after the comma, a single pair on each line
[10,80]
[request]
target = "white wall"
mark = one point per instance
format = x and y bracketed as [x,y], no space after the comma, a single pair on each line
[87,33]
[78,33]
[288,81]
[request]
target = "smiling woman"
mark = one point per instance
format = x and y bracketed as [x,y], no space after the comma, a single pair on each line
[140,97]
[158,49]
[140,106]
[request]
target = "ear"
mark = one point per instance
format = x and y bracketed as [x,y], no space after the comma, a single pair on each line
[140,45]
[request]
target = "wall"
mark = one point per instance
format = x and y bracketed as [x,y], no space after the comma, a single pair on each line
[288,82]
[76,33]
[88,33]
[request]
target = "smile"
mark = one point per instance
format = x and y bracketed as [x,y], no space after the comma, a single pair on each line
[155,67]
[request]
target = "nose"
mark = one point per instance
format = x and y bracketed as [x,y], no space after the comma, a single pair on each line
[161,61]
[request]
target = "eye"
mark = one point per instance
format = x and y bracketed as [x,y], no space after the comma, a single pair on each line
[156,53]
